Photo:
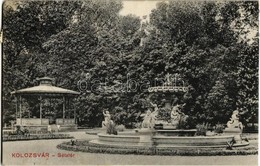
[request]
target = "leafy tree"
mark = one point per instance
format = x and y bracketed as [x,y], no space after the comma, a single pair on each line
[88,41]
[247,82]
[219,104]
[26,26]
[206,53]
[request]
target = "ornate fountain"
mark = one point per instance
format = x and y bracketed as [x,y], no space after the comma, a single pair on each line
[173,85]
[167,136]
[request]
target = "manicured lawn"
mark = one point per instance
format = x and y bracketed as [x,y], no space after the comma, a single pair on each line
[19,148]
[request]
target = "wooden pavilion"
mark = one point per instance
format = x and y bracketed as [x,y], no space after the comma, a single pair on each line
[44,90]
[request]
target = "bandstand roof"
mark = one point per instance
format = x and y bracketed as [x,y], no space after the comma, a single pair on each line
[45,88]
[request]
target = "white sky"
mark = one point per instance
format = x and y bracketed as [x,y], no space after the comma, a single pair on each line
[138,8]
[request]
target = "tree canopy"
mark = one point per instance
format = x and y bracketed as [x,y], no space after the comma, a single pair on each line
[213,45]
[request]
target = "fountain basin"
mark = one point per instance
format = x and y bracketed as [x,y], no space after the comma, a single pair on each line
[118,138]
[161,141]
[171,132]
[193,141]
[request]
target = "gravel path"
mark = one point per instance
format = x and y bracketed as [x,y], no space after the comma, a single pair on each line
[16,153]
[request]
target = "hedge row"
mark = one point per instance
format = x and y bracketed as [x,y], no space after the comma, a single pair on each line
[36,137]
[84,146]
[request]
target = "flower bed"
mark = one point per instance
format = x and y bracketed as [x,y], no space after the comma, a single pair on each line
[35,137]
[85,146]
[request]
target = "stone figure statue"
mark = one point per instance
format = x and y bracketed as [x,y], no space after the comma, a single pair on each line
[155,107]
[107,120]
[144,34]
[234,121]
[168,79]
[175,115]
[235,127]
[150,117]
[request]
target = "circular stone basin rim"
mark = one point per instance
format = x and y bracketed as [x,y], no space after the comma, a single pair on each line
[175,131]
[167,137]
[117,136]
[195,137]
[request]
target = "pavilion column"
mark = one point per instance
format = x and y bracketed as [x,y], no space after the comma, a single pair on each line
[16,108]
[20,108]
[41,109]
[63,110]
[68,107]
[75,118]
[29,113]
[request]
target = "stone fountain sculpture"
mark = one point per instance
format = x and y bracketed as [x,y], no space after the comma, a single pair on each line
[169,137]
[107,119]
[234,121]
[175,115]
[150,117]
[171,86]
[234,126]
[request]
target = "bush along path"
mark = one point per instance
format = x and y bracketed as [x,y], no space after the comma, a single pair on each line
[35,137]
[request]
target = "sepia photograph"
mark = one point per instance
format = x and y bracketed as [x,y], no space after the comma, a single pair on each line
[129,82]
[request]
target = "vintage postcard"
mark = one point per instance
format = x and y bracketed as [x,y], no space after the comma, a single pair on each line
[129,82]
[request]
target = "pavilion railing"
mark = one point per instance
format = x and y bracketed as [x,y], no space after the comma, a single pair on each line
[59,121]
[32,121]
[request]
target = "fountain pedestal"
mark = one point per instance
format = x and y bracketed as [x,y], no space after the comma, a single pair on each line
[169,127]
[236,132]
[146,135]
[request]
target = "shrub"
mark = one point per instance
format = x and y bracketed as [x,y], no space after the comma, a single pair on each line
[164,114]
[183,123]
[202,129]
[22,131]
[35,137]
[191,122]
[19,130]
[111,129]
[138,125]
[120,128]
[219,128]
